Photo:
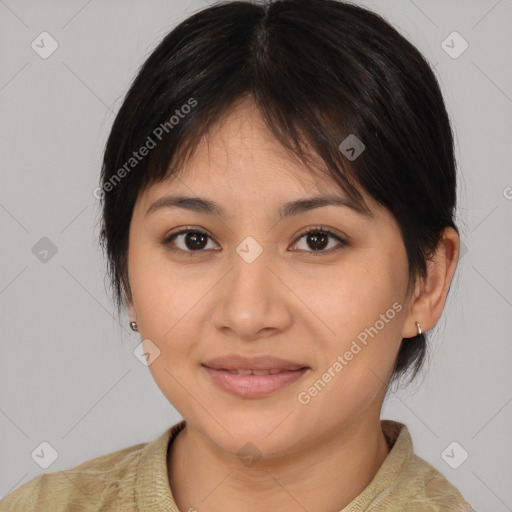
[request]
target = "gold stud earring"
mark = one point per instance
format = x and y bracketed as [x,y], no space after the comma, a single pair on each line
[418,327]
[133,326]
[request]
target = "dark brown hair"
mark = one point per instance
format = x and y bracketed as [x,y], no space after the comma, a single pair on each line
[318,70]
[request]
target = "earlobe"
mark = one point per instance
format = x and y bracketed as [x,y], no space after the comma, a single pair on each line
[430,295]
[131,311]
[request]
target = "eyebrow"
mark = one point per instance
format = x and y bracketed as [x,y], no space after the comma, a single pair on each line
[203,205]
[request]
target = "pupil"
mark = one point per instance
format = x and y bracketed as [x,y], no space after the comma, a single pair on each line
[194,237]
[195,240]
[318,239]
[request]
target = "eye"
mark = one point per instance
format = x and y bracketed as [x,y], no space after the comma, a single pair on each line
[318,238]
[192,240]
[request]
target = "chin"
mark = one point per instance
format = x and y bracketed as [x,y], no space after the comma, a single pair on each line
[261,435]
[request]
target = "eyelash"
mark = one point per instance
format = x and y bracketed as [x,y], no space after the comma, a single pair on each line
[315,229]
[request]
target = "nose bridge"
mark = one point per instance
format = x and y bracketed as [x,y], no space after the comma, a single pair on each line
[251,276]
[250,300]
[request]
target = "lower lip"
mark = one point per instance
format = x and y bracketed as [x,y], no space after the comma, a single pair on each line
[253,386]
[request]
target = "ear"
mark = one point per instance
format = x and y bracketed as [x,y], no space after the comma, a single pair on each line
[131,311]
[430,294]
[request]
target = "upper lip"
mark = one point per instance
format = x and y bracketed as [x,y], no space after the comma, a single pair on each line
[263,362]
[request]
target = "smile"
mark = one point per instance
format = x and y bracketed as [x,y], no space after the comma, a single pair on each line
[253,372]
[253,383]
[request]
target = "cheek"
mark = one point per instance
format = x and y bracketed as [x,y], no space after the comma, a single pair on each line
[150,286]
[164,302]
[356,364]
[163,294]
[169,302]
[354,295]
[364,310]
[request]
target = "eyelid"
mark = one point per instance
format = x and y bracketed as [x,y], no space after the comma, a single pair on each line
[167,239]
[343,241]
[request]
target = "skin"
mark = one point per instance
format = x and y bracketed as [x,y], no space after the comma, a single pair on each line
[289,303]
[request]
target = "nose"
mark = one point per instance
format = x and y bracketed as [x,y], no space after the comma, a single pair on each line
[252,301]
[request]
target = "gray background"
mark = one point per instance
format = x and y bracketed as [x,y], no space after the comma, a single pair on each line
[68,375]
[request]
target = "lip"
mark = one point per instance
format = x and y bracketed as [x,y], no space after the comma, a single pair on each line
[262,362]
[253,386]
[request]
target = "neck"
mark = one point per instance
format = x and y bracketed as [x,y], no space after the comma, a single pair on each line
[317,478]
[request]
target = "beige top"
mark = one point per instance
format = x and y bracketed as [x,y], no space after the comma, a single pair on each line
[135,479]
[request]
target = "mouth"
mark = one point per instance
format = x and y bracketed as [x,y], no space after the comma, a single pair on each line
[249,383]
[253,372]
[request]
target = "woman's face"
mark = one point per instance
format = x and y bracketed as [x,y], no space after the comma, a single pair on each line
[256,285]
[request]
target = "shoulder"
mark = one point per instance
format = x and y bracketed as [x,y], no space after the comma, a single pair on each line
[409,482]
[105,479]
[435,493]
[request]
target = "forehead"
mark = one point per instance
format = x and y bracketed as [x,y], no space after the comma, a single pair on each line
[242,152]
[241,164]
[241,149]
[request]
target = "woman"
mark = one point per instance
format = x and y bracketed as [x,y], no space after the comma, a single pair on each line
[278,191]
